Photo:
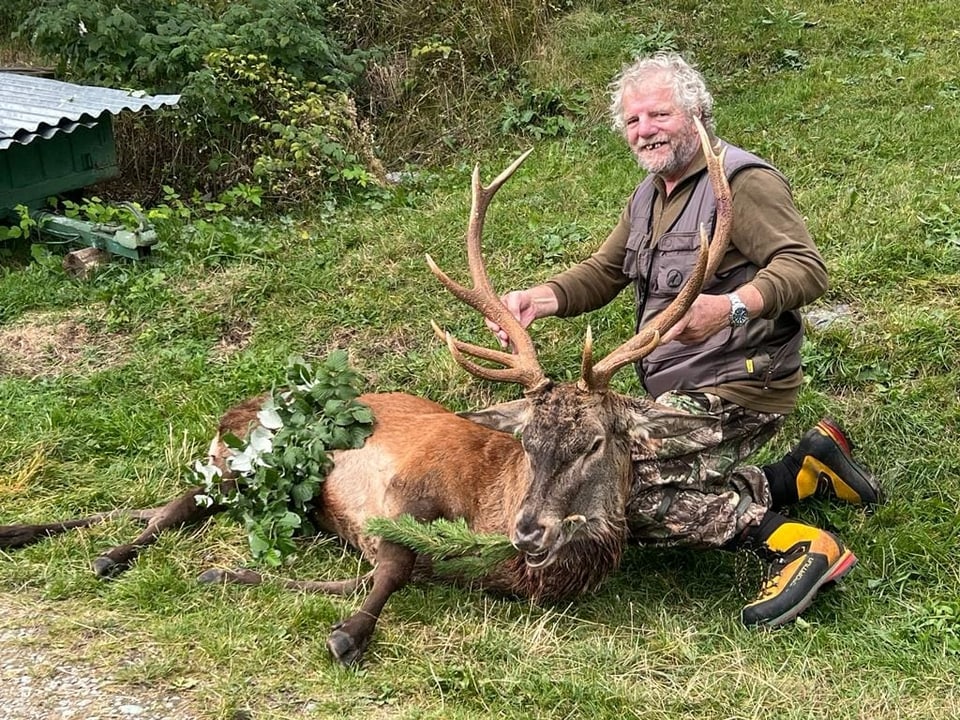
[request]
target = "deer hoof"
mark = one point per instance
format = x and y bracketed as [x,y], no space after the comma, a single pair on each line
[105,567]
[343,648]
[213,575]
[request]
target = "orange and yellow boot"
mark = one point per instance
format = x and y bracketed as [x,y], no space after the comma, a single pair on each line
[800,560]
[822,465]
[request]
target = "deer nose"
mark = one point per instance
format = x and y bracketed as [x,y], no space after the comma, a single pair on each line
[528,533]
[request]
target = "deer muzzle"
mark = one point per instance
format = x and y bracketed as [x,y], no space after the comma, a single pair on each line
[538,539]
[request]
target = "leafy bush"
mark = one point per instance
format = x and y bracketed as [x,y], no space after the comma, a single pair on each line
[13,11]
[158,44]
[264,84]
[652,39]
[548,112]
[302,137]
[284,92]
[20,226]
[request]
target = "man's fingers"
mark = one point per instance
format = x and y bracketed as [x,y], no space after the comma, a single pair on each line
[677,331]
[498,332]
[671,335]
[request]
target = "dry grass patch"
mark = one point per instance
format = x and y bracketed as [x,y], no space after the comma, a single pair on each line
[16,482]
[52,343]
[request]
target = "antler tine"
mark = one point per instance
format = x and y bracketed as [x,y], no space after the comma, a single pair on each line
[648,337]
[511,372]
[724,202]
[586,359]
[521,366]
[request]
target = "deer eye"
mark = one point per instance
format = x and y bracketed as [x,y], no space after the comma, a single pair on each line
[595,447]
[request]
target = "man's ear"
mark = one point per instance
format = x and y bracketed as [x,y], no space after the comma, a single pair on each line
[509,417]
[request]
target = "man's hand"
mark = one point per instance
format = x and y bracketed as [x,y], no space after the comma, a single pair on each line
[710,314]
[526,306]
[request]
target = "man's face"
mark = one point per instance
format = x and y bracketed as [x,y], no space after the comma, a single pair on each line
[661,135]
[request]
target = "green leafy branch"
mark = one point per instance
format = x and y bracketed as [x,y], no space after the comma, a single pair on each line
[280,464]
[21,227]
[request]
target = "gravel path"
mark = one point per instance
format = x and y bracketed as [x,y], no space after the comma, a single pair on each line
[39,680]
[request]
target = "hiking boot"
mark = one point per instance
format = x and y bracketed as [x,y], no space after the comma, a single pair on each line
[802,559]
[827,467]
[822,465]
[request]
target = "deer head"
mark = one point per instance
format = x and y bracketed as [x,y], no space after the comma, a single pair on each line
[576,436]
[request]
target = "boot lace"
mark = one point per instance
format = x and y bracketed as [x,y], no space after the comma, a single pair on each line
[759,565]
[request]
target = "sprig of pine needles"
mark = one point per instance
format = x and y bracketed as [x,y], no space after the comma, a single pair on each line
[454,548]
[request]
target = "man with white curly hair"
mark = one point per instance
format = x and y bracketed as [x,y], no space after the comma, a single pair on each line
[734,356]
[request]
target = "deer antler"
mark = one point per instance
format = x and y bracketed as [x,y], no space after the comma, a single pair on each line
[597,377]
[522,366]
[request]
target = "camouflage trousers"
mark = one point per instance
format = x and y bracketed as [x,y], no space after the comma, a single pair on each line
[692,489]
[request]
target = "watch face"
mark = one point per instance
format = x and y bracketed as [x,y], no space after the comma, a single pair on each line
[738,312]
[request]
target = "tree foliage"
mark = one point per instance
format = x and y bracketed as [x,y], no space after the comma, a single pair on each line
[264,83]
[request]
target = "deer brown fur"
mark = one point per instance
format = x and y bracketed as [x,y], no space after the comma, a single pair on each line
[559,494]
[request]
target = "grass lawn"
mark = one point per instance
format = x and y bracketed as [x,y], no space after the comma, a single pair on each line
[111,387]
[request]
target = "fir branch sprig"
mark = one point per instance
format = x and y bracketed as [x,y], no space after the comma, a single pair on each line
[450,544]
[285,457]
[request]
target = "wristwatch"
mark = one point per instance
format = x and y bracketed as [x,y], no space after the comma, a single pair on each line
[738,311]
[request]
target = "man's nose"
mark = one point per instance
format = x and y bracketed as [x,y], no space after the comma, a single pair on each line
[647,128]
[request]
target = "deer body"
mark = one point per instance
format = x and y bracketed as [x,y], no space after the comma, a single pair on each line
[560,494]
[422,460]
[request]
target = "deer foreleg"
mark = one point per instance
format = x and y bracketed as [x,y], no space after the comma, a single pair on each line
[349,638]
[181,511]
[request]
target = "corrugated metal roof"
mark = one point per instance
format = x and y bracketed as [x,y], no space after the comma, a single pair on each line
[35,107]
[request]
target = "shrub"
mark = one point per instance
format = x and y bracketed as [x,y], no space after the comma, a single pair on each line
[285,92]
[547,112]
[296,138]
[264,84]
[13,12]
[158,45]
[435,86]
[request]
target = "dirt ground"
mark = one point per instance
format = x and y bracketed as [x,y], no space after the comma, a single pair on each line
[40,679]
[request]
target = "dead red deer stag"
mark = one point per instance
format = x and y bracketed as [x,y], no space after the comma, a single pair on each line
[559,493]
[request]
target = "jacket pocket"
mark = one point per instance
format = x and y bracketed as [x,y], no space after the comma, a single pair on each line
[637,249]
[673,262]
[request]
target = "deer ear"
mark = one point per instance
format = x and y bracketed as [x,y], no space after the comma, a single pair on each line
[509,417]
[653,421]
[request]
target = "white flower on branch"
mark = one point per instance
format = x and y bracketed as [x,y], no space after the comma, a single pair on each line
[269,417]
[209,473]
